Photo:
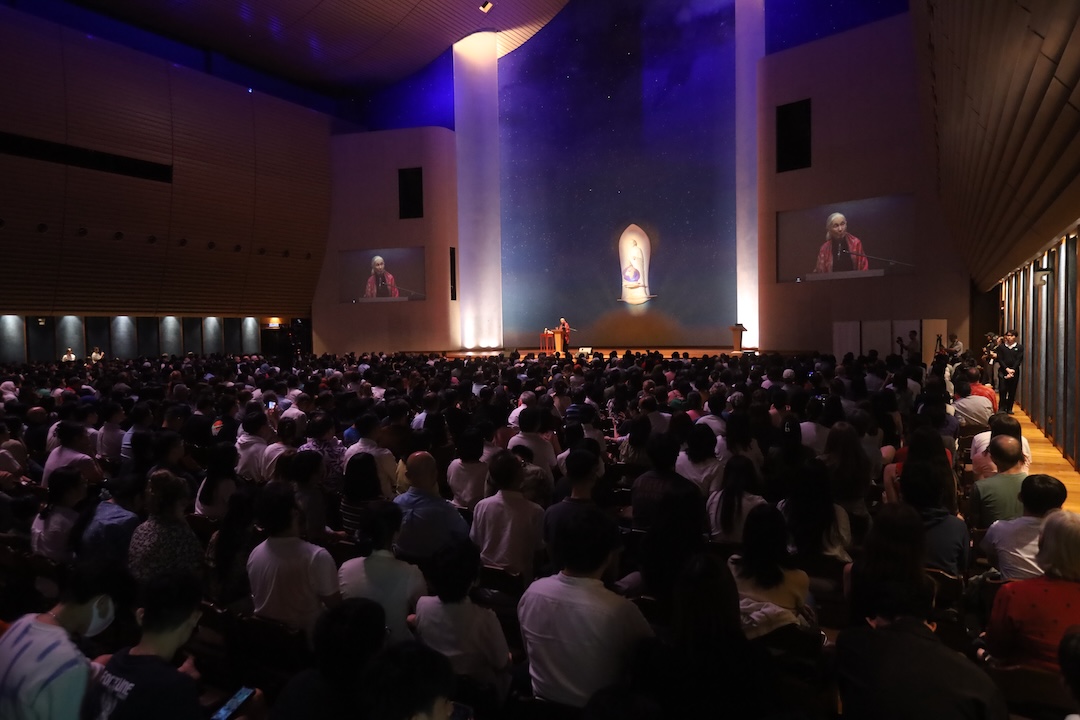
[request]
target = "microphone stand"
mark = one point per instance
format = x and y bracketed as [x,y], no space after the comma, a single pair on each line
[890,261]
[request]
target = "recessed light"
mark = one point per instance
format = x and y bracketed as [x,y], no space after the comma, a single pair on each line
[485,6]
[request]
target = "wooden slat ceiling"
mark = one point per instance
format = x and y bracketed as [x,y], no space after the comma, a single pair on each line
[1002,88]
[334,46]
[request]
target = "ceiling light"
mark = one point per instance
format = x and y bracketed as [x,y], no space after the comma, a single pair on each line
[485,6]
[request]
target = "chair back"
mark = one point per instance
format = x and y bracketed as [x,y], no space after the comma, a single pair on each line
[1033,693]
[948,589]
[494,578]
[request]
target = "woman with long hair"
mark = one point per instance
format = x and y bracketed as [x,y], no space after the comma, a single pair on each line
[728,507]
[360,487]
[220,481]
[890,569]
[849,473]
[229,547]
[924,446]
[765,570]
[698,461]
[51,531]
[818,526]
[785,459]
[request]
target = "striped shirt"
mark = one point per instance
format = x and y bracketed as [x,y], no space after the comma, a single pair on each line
[42,674]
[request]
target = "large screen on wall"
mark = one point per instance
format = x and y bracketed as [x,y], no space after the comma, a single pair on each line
[381,275]
[873,235]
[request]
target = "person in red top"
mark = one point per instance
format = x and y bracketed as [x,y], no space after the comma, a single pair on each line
[380,283]
[1030,617]
[841,250]
[977,388]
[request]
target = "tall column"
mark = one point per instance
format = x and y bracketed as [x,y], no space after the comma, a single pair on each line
[749,49]
[476,128]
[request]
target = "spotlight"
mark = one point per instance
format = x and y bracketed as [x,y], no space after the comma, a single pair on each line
[485,6]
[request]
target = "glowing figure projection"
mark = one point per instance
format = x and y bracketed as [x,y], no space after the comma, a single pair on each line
[634,253]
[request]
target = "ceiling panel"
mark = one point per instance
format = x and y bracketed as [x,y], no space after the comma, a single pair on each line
[334,46]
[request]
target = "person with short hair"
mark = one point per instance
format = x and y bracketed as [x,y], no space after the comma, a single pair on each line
[1000,424]
[1030,616]
[1012,546]
[580,472]
[998,496]
[251,444]
[408,681]
[1069,660]
[50,533]
[507,527]
[165,542]
[947,540]
[367,428]
[74,451]
[429,522]
[653,485]
[468,635]
[346,637]
[544,456]
[140,681]
[43,674]
[579,636]
[467,474]
[291,579]
[395,584]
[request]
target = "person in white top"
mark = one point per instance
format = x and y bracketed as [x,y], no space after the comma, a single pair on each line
[74,451]
[579,636]
[110,435]
[970,409]
[1011,546]
[728,507]
[544,455]
[51,531]
[255,435]
[394,584]
[43,674]
[368,426]
[508,528]
[698,461]
[467,474]
[291,579]
[468,635]
[298,411]
[526,399]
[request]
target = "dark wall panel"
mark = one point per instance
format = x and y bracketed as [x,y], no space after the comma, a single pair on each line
[12,339]
[250,336]
[213,336]
[233,343]
[123,337]
[97,335]
[193,335]
[148,336]
[41,339]
[172,340]
[69,334]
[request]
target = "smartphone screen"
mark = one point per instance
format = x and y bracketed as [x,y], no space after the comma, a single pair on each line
[229,708]
[271,404]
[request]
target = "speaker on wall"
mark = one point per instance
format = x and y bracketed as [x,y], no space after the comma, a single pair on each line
[793,134]
[453,273]
[410,193]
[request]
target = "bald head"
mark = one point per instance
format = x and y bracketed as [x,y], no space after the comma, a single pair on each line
[421,471]
[1006,452]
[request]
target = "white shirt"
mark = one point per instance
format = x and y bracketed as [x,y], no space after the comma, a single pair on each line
[271,455]
[468,481]
[579,636]
[47,670]
[288,577]
[543,452]
[49,536]
[110,439]
[708,475]
[252,461]
[393,583]
[712,507]
[385,463]
[469,636]
[63,457]
[299,416]
[508,529]
[973,410]
[983,466]
[1015,543]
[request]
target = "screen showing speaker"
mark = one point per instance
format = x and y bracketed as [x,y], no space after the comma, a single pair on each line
[382,275]
[846,239]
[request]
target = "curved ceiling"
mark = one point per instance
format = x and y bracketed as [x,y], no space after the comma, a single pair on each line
[334,46]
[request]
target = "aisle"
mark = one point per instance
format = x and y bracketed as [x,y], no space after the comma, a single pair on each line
[1045,458]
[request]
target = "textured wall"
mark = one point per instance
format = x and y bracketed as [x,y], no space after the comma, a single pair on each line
[12,339]
[240,229]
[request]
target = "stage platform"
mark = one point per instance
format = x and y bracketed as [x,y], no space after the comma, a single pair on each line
[665,351]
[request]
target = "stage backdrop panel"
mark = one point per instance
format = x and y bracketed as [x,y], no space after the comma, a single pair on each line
[617,126]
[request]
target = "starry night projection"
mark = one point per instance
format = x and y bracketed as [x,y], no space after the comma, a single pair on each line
[617,139]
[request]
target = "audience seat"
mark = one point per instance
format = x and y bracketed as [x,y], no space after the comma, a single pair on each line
[203,527]
[1033,693]
[266,653]
[494,578]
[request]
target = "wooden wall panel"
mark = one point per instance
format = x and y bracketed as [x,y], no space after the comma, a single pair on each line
[249,172]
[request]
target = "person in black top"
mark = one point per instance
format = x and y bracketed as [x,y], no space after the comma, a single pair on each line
[140,681]
[1010,355]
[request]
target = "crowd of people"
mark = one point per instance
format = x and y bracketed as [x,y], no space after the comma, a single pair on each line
[674,534]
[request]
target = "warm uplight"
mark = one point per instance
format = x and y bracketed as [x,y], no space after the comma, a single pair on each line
[485,6]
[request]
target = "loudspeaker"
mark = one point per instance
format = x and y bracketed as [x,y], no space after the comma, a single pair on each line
[410,193]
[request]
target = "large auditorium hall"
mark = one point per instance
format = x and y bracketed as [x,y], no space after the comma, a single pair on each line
[539,359]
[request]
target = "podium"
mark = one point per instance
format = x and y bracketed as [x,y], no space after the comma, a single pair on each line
[547,341]
[560,342]
[843,275]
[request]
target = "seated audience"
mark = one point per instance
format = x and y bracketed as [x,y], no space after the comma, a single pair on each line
[50,534]
[764,572]
[73,451]
[818,526]
[946,539]
[1012,546]
[219,483]
[395,584]
[1030,616]
[43,674]
[467,474]
[544,455]
[698,462]
[893,667]
[469,636]
[727,507]
[359,488]
[849,470]
[408,681]
[580,465]
[346,638]
[998,496]
[428,521]
[229,547]
[894,555]
[305,471]
[652,485]
[165,542]
[579,636]
[1000,424]
[291,580]
[508,529]
[251,445]
[322,439]
[141,681]
[107,536]
[367,428]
